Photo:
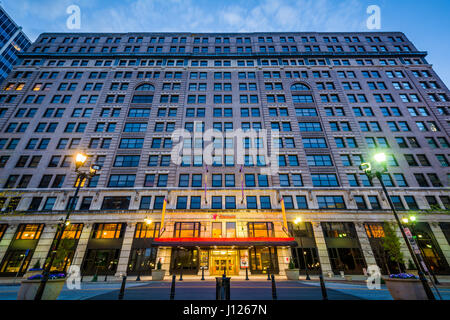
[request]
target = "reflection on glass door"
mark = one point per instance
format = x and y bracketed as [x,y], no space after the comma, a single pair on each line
[224,261]
[263,260]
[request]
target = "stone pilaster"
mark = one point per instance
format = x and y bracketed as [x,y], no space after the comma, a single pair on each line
[44,244]
[283,263]
[441,240]
[365,244]
[82,245]
[322,248]
[6,240]
[126,249]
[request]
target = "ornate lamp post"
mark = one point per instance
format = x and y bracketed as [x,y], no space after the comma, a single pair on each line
[80,160]
[379,169]
[297,222]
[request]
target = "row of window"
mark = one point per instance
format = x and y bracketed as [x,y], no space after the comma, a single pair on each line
[363,202]
[218,39]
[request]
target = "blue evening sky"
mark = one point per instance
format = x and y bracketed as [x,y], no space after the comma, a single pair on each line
[426,23]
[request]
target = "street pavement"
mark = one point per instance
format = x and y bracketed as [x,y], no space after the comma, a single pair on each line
[205,290]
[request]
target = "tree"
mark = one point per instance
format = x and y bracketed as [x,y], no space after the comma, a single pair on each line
[391,243]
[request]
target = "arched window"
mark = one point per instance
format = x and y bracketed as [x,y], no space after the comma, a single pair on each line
[299,87]
[145,87]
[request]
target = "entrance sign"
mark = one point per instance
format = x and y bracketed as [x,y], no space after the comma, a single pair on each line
[244,260]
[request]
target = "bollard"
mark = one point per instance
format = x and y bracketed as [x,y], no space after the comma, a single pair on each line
[274,289]
[94,278]
[203,273]
[122,288]
[268,274]
[218,285]
[172,289]
[181,274]
[246,274]
[323,288]
[106,277]
[222,288]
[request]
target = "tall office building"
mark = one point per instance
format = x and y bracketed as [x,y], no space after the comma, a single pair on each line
[220,130]
[12,42]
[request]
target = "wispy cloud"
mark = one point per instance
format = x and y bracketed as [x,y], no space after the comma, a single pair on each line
[192,15]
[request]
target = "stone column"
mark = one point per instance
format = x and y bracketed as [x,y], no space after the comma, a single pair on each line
[366,248]
[7,239]
[441,240]
[283,253]
[126,249]
[82,245]
[44,244]
[322,248]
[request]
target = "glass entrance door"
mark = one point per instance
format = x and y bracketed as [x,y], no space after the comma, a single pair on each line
[224,261]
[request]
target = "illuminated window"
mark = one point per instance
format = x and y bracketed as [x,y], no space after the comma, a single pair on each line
[144,230]
[374,230]
[108,230]
[187,229]
[260,229]
[216,230]
[29,231]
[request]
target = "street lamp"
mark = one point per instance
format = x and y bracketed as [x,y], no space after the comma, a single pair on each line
[80,160]
[379,169]
[297,221]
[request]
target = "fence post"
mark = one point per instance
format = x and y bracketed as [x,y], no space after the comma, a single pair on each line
[323,288]
[172,289]
[274,288]
[122,287]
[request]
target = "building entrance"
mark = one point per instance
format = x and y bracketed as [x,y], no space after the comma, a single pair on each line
[224,261]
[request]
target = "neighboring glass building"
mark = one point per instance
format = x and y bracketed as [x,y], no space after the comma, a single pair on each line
[12,42]
[323,102]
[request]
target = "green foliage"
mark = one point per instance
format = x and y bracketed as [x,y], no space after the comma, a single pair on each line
[391,243]
[411,265]
[159,264]
[291,264]
[65,246]
[37,265]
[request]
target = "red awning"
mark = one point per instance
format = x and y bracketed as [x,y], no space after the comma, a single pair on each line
[194,242]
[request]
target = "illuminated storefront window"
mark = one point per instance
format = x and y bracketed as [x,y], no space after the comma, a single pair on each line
[263,260]
[144,230]
[343,247]
[67,247]
[108,231]
[231,229]
[18,256]
[374,230]
[260,229]
[187,229]
[216,230]
[375,233]
[29,231]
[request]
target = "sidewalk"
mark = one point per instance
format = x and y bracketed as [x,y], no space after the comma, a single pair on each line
[357,279]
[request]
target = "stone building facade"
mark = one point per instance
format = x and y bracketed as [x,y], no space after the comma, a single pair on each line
[322,104]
